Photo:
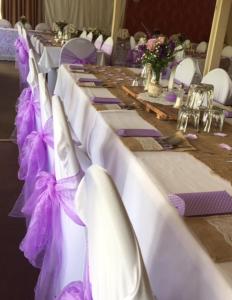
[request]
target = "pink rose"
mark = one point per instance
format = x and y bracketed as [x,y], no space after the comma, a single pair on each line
[151,44]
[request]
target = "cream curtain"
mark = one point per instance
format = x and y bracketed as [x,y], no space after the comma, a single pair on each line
[0,9]
[83,13]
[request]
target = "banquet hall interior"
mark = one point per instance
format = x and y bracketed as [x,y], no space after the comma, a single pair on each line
[116,149]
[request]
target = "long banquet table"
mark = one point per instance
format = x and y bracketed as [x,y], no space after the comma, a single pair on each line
[178,266]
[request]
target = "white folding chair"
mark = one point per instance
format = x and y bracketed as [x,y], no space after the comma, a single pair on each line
[83,34]
[89,36]
[227,51]
[5,24]
[202,47]
[42,27]
[98,42]
[132,43]
[221,81]
[185,72]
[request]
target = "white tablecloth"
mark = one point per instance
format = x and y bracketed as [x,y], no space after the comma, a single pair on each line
[178,268]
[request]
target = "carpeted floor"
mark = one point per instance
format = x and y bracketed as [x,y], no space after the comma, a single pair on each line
[17,276]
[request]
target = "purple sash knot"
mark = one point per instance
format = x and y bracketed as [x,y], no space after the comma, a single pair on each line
[33,156]
[69,57]
[28,108]
[44,207]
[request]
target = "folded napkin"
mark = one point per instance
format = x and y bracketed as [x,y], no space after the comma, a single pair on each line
[228,114]
[138,133]
[104,100]
[95,80]
[76,67]
[202,204]
[171,96]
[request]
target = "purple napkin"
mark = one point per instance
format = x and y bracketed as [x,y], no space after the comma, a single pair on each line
[104,100]
[228,114]
[76,67]
[171,97]
[95,80]
[138,133]
[201,204]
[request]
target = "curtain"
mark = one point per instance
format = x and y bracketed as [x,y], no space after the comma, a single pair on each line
[0,9]
[83,13]
[32,9]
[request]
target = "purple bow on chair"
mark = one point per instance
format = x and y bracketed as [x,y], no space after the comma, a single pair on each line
[69,57]
[33,158]
[44,207]
[27,109]
[22,58]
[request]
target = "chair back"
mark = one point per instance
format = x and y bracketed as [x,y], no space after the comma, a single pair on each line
[78,51]
[42,27]
[45,100]
[107,46]
[221,81]
[132,43]
[202,47]
[185,71]
[98,42]
[83,34]
[116,268]
[227,51]
[27,26]
[5,24]
[179,56]
[89,36]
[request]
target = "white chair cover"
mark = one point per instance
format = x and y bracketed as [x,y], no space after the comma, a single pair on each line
[202,47]
[98,42]
[45,101]
[132,43]
[227,51]
[116,267]
[78,50]
[83,34]
[89,36]
[221,81]
[187,44]
[42,27]
[27,26]
[180,53]
[5,24]
[107,46]
[185,71]
[69,251]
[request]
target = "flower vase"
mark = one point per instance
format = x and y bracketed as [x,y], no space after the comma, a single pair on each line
[154,88]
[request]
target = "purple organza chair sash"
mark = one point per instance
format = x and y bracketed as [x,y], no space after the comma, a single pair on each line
[27,110]
[22,58]
[33,158]
[44,207]
[69,57]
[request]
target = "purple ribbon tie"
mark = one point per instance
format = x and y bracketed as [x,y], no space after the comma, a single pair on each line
[69,57]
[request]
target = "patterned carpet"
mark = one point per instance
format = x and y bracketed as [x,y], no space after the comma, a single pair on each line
[17,276]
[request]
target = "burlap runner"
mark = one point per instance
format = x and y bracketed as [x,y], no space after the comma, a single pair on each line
[215,234]
[207,145]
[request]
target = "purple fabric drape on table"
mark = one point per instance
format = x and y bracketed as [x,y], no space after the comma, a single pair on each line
[22,58]
[68,57]
[44,208]
[27,109]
